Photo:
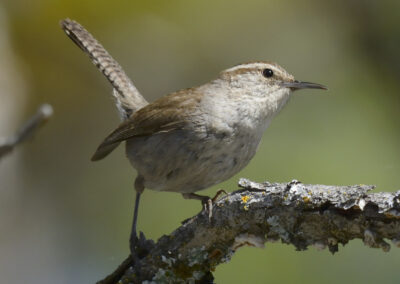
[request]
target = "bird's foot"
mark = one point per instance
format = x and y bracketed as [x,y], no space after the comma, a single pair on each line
[139,247]
[209,202]
[206,201]
[133,247]
[218,194]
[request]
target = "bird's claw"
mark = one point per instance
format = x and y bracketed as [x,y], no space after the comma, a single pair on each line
[140,247]
[209,202]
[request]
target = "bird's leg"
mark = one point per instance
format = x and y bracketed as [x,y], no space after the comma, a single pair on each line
[206,201]
[133,240]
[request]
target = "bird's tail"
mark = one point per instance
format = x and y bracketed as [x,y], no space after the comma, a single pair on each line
[128,98]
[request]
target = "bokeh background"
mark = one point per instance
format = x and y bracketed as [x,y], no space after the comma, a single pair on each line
[64,219]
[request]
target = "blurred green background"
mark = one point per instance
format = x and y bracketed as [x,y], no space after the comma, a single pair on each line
[64,219]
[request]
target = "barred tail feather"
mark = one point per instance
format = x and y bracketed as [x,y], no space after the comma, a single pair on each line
[128,98]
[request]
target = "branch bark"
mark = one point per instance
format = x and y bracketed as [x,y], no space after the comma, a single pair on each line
[294,213]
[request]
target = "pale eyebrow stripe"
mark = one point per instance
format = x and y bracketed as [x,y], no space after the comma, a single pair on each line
[246,66]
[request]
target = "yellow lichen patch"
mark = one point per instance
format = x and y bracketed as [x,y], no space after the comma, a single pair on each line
[245,198]
[306,199]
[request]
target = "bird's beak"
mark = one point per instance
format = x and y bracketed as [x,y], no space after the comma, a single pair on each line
[297,85]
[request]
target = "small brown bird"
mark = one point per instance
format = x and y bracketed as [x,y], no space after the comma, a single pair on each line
[192,139]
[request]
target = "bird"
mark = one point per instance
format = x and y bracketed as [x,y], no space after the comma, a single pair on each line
[194,138]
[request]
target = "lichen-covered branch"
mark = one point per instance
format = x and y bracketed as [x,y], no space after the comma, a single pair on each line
[293,213]
[27,130]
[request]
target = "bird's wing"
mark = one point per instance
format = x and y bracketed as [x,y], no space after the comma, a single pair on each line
[164,115]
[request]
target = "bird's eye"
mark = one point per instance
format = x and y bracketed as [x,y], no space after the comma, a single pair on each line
[267,73]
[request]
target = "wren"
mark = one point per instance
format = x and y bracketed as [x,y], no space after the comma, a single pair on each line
[194,138]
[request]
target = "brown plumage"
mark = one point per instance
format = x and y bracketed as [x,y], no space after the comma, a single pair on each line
[128,97]
[166,114]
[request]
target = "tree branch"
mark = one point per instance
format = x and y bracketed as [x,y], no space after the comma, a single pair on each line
[27,130]
[295,213]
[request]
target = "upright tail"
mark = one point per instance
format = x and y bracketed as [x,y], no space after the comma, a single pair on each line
[128,98]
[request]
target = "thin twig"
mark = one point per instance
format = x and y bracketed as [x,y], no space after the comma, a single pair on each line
[27,130]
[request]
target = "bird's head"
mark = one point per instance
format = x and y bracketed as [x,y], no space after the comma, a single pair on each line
[264,78]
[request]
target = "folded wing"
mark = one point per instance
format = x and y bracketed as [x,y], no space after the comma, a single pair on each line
[164,115]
